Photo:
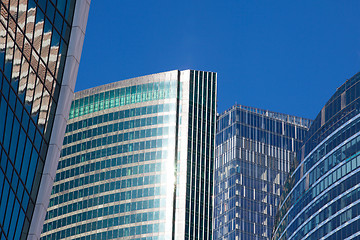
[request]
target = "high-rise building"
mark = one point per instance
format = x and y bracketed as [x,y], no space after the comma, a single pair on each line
[40,48]
[254,149]
[137,161]
[322,197]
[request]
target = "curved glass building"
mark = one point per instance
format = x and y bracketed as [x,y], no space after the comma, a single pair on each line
[254,149]
[322,197]
[137,161]
[40,49]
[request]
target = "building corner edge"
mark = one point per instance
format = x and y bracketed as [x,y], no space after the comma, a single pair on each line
[72,61]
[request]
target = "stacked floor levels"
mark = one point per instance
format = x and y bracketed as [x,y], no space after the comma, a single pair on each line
[137,161]
[322,197]
[254,150]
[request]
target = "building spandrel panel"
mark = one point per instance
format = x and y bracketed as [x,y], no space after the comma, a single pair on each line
[36,41]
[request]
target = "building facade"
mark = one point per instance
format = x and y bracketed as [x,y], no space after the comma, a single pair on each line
[322,197]
[40,48]
[137,161]
[254,150]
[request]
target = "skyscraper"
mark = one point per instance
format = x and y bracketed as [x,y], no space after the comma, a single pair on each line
[254,149]
[40,48]
[322,198]
[137,161]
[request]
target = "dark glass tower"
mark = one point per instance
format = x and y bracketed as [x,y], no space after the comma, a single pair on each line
[40,48]
[254,149]
[322,197]
[137,161]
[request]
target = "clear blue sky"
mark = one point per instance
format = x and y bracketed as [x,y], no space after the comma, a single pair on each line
[284,56]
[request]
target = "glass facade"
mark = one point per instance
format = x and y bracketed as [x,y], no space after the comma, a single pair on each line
[321,199]
[254,151]
[137,161]
[35,44]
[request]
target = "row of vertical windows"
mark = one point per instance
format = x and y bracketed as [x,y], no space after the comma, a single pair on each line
[103,212]
[126,232]
[118,126]
[108,199]
[256,152]
[121,172]
[125,195]
[113,162]
[123,148]
[253,163]
[267,194]
[246,204]
[152,109]
[122,137]
[260,122]
[99,177]
[242,227]
[123,96]
[108,234]
[88,203]
[260,135]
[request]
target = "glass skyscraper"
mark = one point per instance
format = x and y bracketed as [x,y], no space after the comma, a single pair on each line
[40,48]
[322,197]
[254,150]
[137,161]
